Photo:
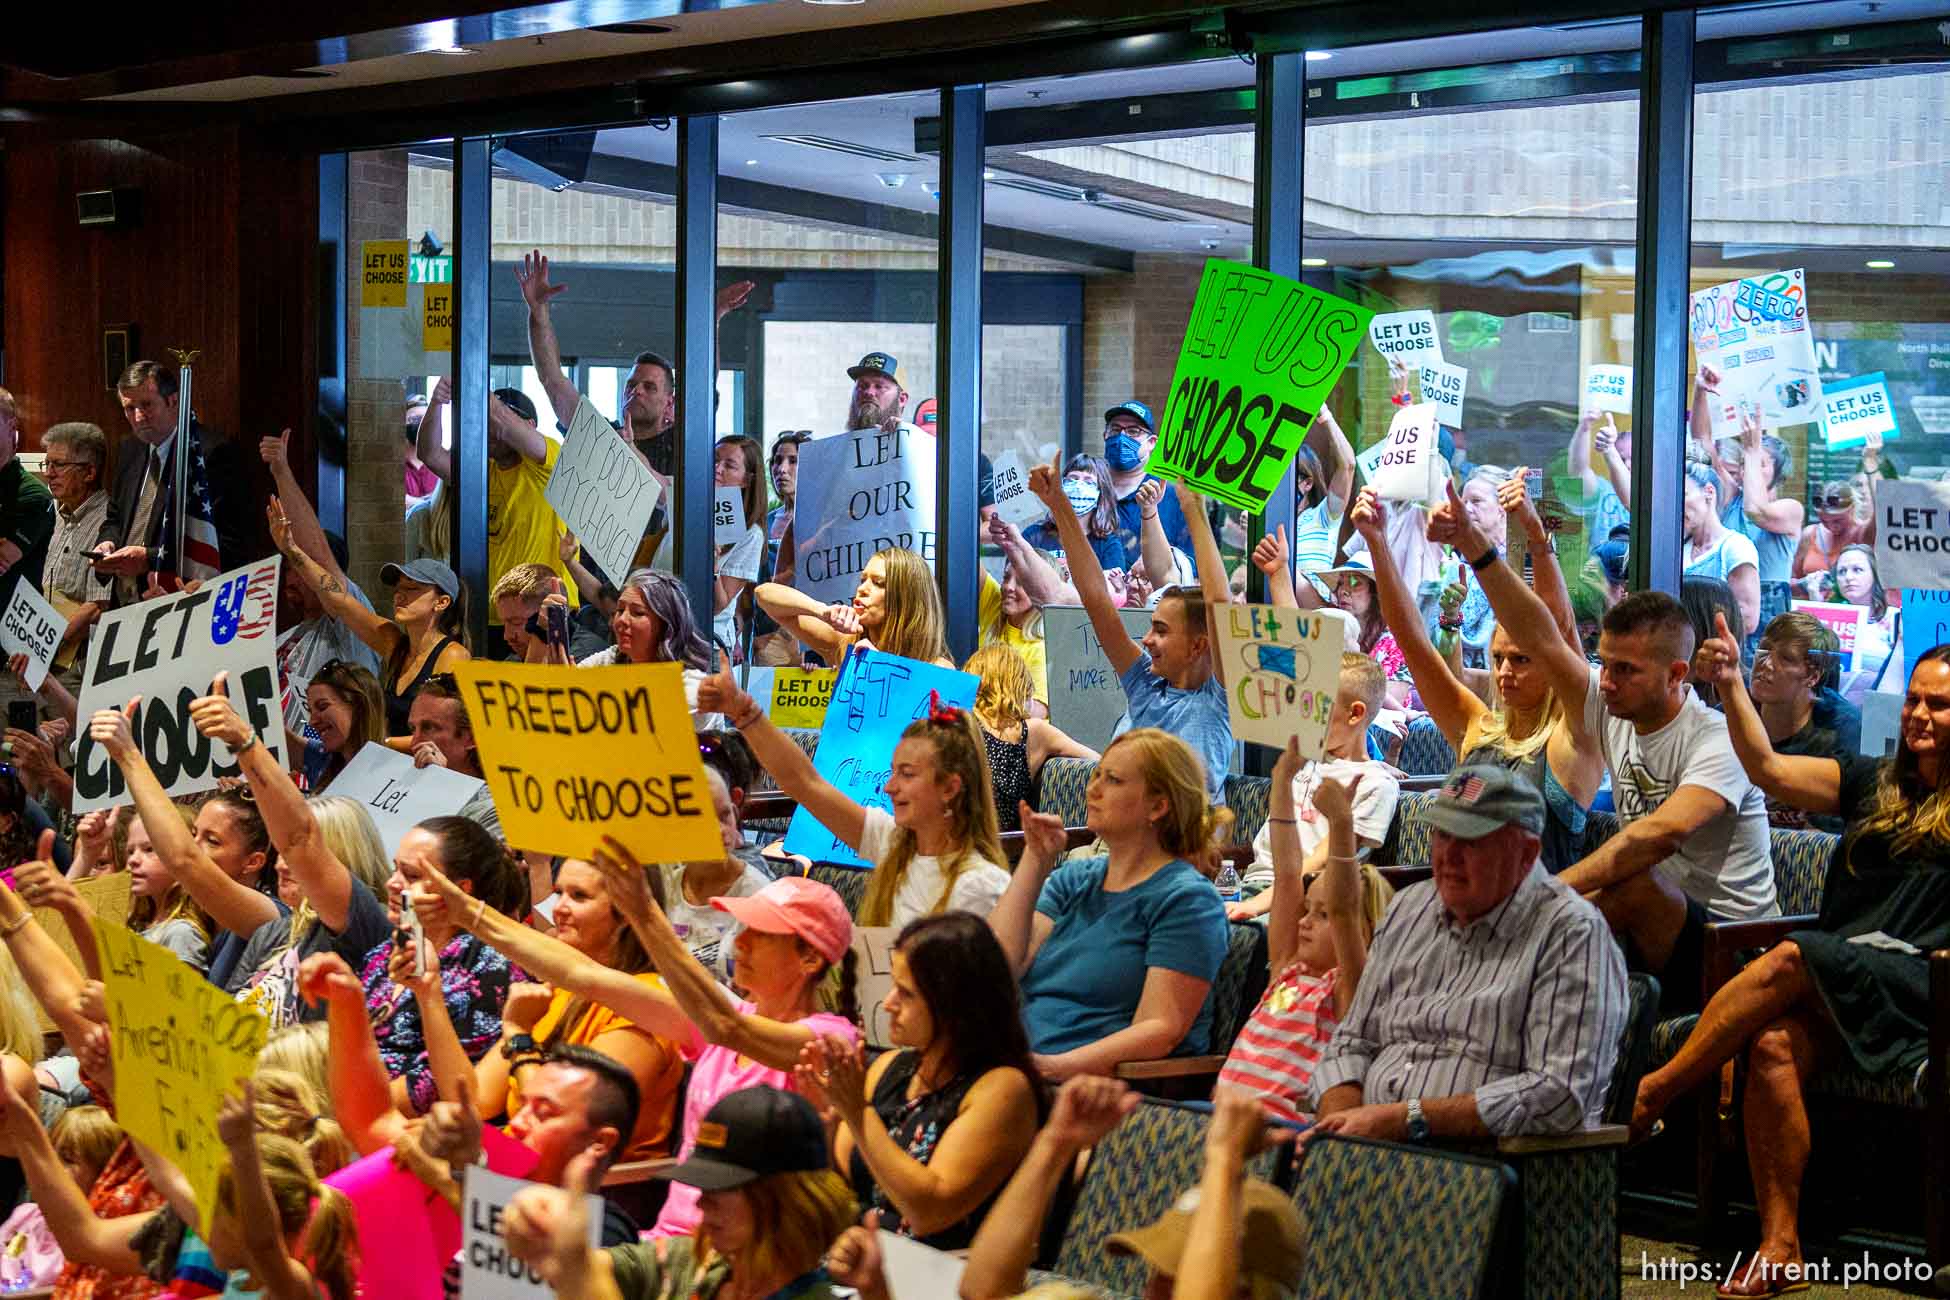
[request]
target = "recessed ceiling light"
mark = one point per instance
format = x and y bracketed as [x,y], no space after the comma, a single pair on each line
[1880,265]
[1313,261]
[1319,56]
[751,162]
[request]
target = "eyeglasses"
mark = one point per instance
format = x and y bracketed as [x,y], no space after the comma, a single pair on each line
[51,466]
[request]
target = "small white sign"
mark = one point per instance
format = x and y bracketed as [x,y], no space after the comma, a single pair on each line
[915,1271]
[398,795]
[728,515]
[1013,499]
[1402,461]
[1406,336]
[1913,534]
[1858,409]
[32,627]
[487,1270]
[1444,386]
[1608,388]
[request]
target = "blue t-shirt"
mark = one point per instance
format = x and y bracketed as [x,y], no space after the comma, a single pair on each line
[1130,522]
[1089,974]
[1773,551]
[1197,717]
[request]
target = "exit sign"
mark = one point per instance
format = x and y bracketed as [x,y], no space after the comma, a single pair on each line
[430,270]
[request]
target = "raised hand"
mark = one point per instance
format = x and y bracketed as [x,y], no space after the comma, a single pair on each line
[1717,661]
[1043,836]
[114,729]
[855,1259]
[452,1131]
[324,977]
[237,1116]
[443,391]
[843,619]
[1369,517]
[1046,483]
[41,884]
[1606,437]
[1514,497]
[279,524]
[547,1228]
[438,901]
[1271,556]
[1087,1108]
[532,276]
[526,1005]
[1239,1126]
[721,693]
[568,547]
[276,452]
[216,718]
[629,885]
[1149,494]
[1287,766]
[732,297]
[399,969]
[1335,801]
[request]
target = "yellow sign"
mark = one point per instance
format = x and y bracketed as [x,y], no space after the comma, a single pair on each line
[437,334]
[179,1044]
[382,273]
[109,897]
[574,754]
[800,696]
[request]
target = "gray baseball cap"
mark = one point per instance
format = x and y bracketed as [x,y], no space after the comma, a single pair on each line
[425,570]
[1481,798]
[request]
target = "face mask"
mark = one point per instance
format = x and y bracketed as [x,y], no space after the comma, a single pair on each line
[1083,496]
[1121,450]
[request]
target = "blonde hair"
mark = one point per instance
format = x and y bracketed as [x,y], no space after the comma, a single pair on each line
[287,1105]
[1002,699]
[1911,813]
[303,1050]
[525,582]
[349,834]
[147,913]
[86,1136]
[796,1216]
[1171,771]
[914,624]
[330,1247]
[1363,680]
[958,751]
[1493,725]
[20,1026]
[433,526]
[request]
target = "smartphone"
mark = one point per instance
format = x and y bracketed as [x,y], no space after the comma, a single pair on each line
[411,932]
[21,715]
[558,625]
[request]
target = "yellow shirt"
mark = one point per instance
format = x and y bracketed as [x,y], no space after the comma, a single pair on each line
[1031,649]
[655,1122]
[522,527]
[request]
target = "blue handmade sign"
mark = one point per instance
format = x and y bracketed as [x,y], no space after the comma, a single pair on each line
[1925,623]
[875,697]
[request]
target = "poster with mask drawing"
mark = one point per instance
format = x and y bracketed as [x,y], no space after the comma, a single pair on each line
[1757,336]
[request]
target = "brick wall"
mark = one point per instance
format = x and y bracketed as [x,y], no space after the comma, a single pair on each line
[374,486]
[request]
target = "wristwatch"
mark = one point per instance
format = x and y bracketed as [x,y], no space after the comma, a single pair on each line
[1418,1123]
[519,1045]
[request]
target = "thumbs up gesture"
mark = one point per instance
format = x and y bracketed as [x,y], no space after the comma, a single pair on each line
[721,693]
[1717,661]
[114,729]
[214,717]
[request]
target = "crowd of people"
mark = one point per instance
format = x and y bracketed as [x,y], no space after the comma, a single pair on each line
[706,1013]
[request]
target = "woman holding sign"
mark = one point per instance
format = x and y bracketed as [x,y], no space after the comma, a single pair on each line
[736,466]
[896,608]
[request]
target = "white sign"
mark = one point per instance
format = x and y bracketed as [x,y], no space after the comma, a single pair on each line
[728,516]
[487,1270]
[166,651]
[1085,698]
[1756,334]
[874,946]
[1013,499]
[32,627]
[1444,385]
[1882,723]
[1282,669]
[1608,388]
[915,1271]
[1858,410]
[603,491]
[860,493]
[1406,336]
[1404,467]
[398,795]
[1912,534]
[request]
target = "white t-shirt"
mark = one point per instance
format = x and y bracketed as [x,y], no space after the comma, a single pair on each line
[1374,809]
[1726,864]
[741,561]
[1722,558]
[706,930]
[977,889]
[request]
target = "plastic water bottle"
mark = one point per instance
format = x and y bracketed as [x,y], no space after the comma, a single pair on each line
[1228,882]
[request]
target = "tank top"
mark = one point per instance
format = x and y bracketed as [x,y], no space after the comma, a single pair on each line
[917,1127]
[1563,837]
[399,705]
[1009,774]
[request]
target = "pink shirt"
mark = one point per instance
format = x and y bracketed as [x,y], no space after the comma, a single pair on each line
[1276,1052]
[718,1072]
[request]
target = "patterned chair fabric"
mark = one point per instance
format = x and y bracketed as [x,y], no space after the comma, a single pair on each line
[1241,983]
[1425,751]
[1248,797]
[1634,1048]
[1801,861]
[1065,782]
[1356,1197]
[1407,841]
[805,739]
[850,883]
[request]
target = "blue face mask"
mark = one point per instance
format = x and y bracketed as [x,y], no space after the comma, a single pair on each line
[1121,451]
[1083,495]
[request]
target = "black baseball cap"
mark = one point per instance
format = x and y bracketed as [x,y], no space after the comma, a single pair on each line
[751,1134]
[518,402]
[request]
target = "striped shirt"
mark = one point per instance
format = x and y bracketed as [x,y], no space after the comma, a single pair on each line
[1523,1007]
[1276,1052]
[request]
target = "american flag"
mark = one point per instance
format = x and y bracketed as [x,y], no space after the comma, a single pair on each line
[246,605]
[202,560]
[1467,790]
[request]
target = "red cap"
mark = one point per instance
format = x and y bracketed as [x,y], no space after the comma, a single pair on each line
[796,905]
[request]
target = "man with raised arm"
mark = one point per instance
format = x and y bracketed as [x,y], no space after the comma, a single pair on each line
[1693,842]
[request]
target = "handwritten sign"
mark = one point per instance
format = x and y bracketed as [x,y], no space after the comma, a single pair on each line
[874,946]
[573,754]
[859,493]
[166,650]
[1403,461]
[728,516]
[793,697]
[1013,499]
[1844,620]
[382,273]
[399,796]
[437,318]
[1858,409]
[179,1043]
[1756,334]
[487,1270]
[1085,698]
[1444,385]
[32,627]
[1913,533]
[108,897]
[876,696]
[603,491]
[1608,388]
[1926,624]
[1282,670]
[1261,353]
[1407,336]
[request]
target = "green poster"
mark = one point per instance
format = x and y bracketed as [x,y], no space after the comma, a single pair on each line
[1261,353]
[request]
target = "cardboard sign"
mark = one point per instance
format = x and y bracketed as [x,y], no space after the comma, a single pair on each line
[1756,334]
[166,650]
[1085,698]
[793,697]
[1282,668]
[573,754]
[728,516]
[603,491]
[1013,499]
[179,1044]
[1406,336]
[382,273]
[1608,388]
[1926,625]
[487,1270]
[108,896]
[1261,353]
[32,627]
[874,972]
[1444,385]
[1858,409]
[1404,461]
[859,493]
[399,796]
[437,318]
[1912,533]
[1844,620]
[876,696]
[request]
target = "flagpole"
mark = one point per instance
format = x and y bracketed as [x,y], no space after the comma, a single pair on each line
[180,487]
